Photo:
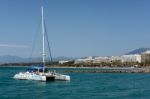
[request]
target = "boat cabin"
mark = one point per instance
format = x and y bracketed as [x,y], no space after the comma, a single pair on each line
[37,69]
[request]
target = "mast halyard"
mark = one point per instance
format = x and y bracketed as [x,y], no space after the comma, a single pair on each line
[43,38]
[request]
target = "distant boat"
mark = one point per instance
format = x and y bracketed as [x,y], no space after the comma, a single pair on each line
[41,73]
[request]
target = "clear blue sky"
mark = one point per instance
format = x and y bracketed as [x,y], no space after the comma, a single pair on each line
[76,28]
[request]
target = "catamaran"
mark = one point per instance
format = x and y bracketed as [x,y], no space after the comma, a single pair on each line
[41,73]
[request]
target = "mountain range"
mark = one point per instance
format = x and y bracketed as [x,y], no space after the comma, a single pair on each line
[138,51]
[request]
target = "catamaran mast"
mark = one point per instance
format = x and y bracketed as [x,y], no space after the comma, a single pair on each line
[43,37]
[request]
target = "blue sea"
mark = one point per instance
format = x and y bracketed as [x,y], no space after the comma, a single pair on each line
[81,86]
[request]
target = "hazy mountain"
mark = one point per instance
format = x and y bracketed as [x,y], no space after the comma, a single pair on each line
[138,51]
[16,59]
[63,58]
[11,59]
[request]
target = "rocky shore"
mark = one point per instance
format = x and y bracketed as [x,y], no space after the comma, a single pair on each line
[109,70]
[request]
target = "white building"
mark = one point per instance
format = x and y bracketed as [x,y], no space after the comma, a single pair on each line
[115,58]
[85,60]
[62,62]
[131,58]
[101,59]
[145,57]
[106,59]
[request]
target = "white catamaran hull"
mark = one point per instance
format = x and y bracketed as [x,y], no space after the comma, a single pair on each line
[62,77]
[29,76]
[41,76]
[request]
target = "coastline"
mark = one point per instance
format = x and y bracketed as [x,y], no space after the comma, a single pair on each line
[104,69]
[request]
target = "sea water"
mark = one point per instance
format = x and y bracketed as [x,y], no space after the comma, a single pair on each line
[81,86]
